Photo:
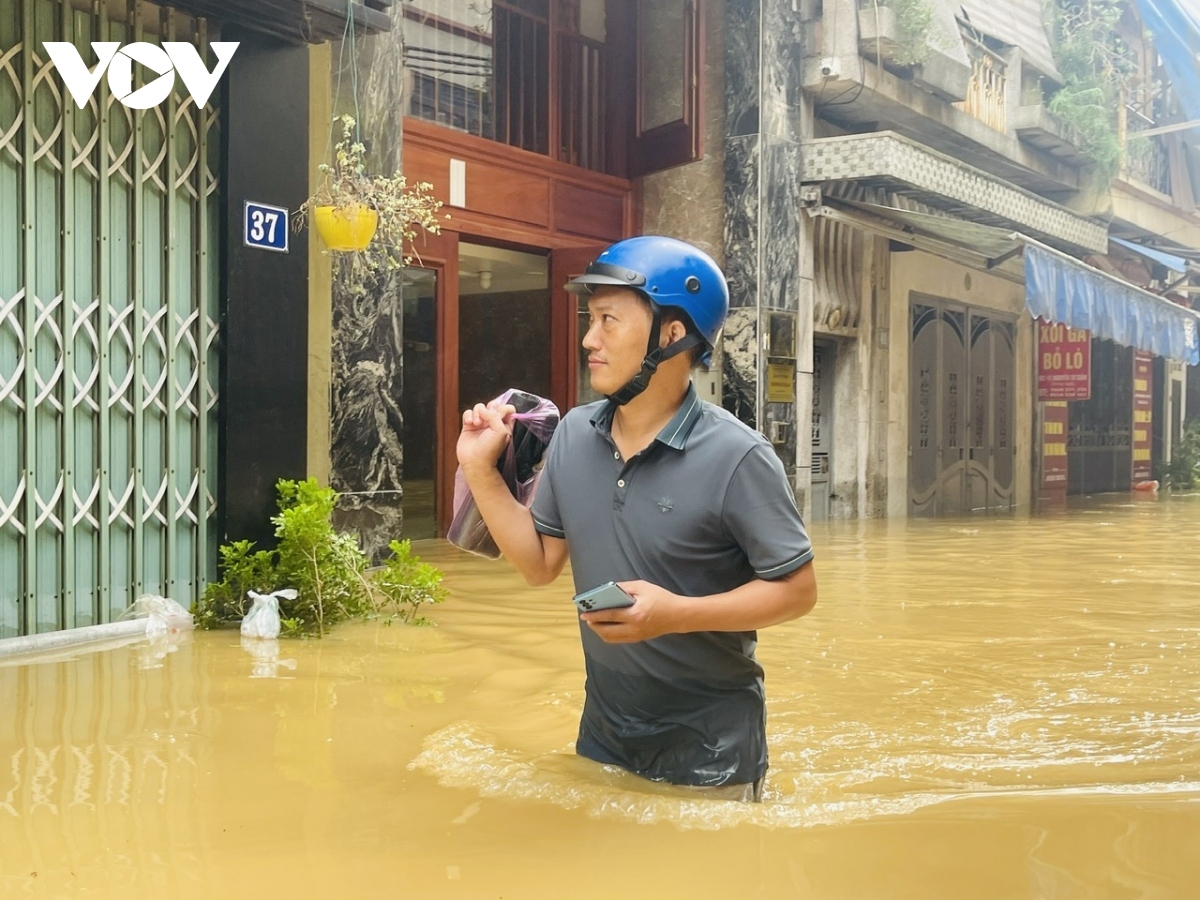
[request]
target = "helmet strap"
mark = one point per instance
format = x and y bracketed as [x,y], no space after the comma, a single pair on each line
[654,356]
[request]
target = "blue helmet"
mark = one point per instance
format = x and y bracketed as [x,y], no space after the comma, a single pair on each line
[670,274]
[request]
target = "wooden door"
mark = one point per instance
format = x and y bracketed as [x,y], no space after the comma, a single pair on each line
[439,253]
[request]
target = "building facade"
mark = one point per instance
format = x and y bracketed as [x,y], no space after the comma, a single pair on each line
[872,212]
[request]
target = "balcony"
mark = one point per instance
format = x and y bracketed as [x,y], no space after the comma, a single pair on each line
[1041,129]
[1146,160]
[986,99]
[942,69]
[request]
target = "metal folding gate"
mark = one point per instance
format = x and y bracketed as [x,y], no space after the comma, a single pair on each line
[108,315]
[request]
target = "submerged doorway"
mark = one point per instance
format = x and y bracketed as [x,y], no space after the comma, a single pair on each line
[960,435]
[477,321]
[418,401]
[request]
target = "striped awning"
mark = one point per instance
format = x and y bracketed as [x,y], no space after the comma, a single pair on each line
[1061,289]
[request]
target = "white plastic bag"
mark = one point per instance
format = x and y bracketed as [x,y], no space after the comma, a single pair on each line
[164,615]
[263,619]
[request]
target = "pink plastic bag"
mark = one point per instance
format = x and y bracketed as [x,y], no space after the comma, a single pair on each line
[520,465]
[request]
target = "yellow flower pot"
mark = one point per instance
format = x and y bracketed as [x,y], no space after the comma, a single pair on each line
[346,229]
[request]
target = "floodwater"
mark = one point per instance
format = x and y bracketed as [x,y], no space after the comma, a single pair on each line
[976,708]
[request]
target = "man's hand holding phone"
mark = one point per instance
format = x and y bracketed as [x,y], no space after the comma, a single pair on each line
[607,596]
[629,612]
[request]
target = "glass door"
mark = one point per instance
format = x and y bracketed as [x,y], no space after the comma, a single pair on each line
[503,323]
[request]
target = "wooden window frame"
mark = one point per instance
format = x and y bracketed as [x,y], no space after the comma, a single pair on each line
[681,141]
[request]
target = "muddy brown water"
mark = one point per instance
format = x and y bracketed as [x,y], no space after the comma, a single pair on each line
[976,708]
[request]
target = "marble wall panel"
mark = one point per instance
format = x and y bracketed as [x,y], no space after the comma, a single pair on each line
[367,428]
[740,364]
[780,75]
[742,202]
[743,48]
[780,226]
[763,235]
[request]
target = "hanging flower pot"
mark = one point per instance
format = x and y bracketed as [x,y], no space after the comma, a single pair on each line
[353,211]
[346,228]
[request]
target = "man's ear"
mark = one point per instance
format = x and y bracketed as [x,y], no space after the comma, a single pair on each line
[671,332]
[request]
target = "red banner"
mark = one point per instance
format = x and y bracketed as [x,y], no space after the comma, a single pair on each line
[1143,414]
[1064,362]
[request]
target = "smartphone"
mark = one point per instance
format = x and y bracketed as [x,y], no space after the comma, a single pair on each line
[607,596]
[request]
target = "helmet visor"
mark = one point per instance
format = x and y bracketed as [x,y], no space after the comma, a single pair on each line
[599,274]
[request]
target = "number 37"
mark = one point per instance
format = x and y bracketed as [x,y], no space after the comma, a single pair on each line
[262,225]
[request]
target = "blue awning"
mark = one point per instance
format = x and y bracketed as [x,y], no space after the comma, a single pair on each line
[1061,289]
[1175,25]
[1174,263]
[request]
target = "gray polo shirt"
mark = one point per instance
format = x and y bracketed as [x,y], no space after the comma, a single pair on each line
[702,510]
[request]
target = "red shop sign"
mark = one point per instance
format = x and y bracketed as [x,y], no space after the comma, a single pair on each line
[1064,359]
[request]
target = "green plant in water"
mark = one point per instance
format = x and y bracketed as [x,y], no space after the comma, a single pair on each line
[1097,69]
[244,569]
[406,584]
[1183,471]
[329,572]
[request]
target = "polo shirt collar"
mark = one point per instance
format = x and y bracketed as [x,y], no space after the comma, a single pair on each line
[674,434]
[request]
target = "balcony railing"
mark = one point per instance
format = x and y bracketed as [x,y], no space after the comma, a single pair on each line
[522,88]
[986,92]
[1146,159]
[582,103]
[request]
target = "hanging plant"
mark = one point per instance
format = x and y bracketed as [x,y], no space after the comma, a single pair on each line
[375,216]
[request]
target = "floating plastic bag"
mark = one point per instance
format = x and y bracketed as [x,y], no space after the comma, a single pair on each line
[520,465]
[263,619]
[164,614]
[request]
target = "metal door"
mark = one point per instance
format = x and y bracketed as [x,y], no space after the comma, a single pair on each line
[960,409]
[990,460]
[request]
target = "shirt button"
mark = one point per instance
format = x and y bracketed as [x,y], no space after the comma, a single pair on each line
[621,483]
[616,455]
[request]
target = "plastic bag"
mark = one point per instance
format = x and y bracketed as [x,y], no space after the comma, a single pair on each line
[520,465]
[263,619]
[164,614]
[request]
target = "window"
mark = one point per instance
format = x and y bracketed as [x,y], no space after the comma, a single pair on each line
[576,80]
[491,67]
[669,95]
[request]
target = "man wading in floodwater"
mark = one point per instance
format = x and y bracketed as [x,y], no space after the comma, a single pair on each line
[685,507]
